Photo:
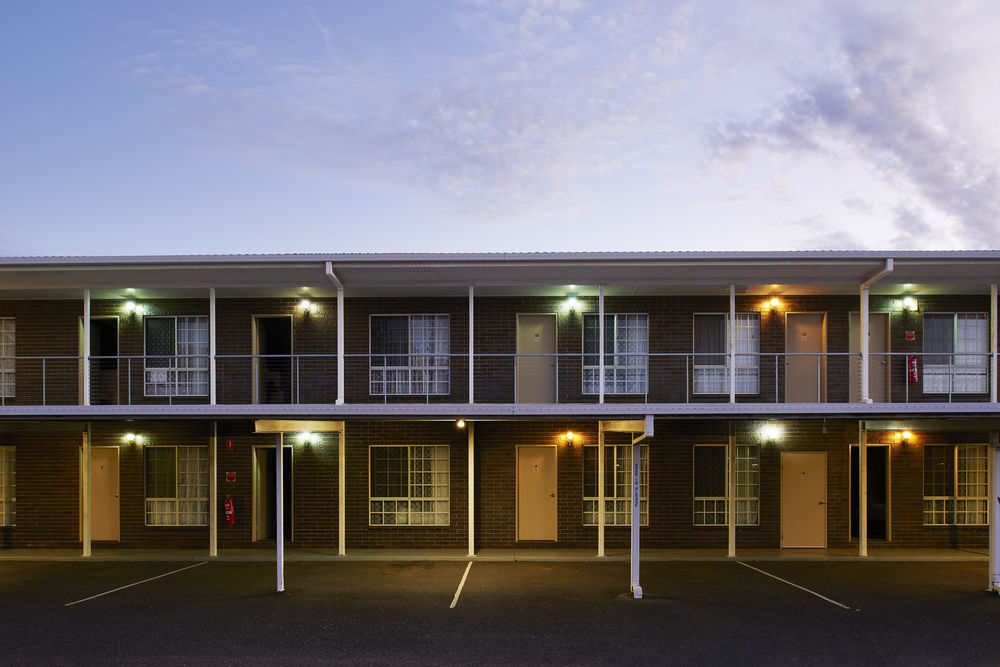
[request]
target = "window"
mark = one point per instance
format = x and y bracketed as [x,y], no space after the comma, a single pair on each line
[956,485]
[617,485]
[7,361]
[409,355]
[8,490]
[176,356]
[176,486]
[408,485]
[711,353]
[956,353]
[710,471]
[625,348]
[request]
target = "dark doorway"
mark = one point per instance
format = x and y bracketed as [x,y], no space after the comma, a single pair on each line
[878,487]
[104,361]
[266,518]
[273,337]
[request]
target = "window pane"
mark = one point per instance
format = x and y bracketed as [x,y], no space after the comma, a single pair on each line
[710,471]
[939,470]
[710,337]
[939,332]
[161,472]
[159,341]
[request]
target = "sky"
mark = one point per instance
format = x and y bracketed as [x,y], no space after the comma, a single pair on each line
[519,125]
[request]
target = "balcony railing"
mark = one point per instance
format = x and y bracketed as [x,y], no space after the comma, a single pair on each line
[833,377]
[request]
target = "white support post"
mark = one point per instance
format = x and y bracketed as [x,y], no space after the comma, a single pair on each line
[994,583]
[340,345]
[472,335]
[85,494]
[279,512]
[600,342]
[636,459]
[341,492]
[731,492]
[862,490]
[732,343]
[993,342]
[86,348]
[600,490]
[471,426]
[865,396]
[213,492]
[211,347]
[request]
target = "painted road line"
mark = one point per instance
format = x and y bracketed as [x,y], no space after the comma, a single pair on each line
[121,588]
[461,584]
[801,588]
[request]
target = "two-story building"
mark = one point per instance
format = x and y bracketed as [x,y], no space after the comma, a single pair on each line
[740,400]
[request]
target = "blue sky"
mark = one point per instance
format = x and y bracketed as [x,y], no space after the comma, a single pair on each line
[230,127]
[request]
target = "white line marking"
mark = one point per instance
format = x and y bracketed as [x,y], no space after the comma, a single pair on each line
[460,585]
[801,588]
[121,588]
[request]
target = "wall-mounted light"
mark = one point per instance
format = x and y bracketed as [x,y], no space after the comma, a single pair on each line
[307,438]
[771,432]
[132,308]
[910,303]
[572,302]
[307,307]
[460,423]
[570,437]
[774,303]
[904,437]
[133,439]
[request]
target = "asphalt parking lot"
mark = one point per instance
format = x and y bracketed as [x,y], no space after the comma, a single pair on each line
[506,613]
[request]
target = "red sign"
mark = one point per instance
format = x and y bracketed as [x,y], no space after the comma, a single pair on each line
[229,510]
[911,335]
[230,477]
[912,375]
[230,444]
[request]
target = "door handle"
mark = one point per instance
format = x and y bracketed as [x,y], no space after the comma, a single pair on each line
[552,495]
[822,502]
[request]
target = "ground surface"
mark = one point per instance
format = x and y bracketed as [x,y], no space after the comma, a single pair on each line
[517,612]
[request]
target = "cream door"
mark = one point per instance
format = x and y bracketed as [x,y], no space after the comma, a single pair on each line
[536,493]
[536,376]
[805,367]
[878,360]
[104,501]
[803,499]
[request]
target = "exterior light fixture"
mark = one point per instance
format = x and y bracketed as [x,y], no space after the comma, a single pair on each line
[570,437]
[910,304]
[904,437]
[132,439]
[774,303]
[460,423]
[306,438]
[307,306]
[572,302]
[133,308]
[771,432]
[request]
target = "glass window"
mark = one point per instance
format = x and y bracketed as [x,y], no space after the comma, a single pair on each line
[409,485]
[956,485]
[617,485]
[710,470]
[8,490]
[176,361]
[626,344]
[409,355]
[711,358]
[7,361]
[176,486]
[956,353]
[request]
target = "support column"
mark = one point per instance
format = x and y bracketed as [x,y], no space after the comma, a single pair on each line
[213,491]
[636,459]
[731,491]
[865,396]
[994,582]
[472,335]
[471,426]
[732,343]
[85,494]
[341,492]
[862,490]
[211,347]
[600,343]
[600,489]
[993,342]
[340,345]
[86,348]
[279,512]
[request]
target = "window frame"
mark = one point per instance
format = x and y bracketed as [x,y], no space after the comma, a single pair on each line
[977,372]
[753,370]
[751,470]
[615,500]
[410,499]
[615,369]
[8,358]
[192,363]
[946,506]
[8,486]
[412,370]
[177,499]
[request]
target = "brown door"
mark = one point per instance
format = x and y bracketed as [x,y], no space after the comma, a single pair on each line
[805,365]
[536,376]
[803,499]
[878,359]
[104,507]
[536,493]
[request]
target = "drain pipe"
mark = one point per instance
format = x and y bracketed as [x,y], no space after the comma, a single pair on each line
[340,331]
[865,398]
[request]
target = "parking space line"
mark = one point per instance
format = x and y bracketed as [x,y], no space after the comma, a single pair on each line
[121,588]
[801,588]
[461,584]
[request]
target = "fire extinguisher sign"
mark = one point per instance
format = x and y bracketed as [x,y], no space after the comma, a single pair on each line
[912,374]
[229,509]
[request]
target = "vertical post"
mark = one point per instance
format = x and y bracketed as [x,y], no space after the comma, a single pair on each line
[472,330]
[213,492]
[86,348]
[340,345]
[865,396]
[732,343]
[994,583]
[636,457]
[279,512]
[211,347]
[600,344]
[601,519]
[471,427]
[993,342]
[731,491]
[341,492]
[85,494]
[862,490]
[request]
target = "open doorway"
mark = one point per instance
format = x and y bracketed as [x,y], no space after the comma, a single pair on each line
[265,516]
[103,361]
[272,342]
[878,492]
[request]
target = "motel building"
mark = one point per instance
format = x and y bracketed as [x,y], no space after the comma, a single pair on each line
[713,403]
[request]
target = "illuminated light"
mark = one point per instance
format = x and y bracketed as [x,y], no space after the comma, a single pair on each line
[774,303]
[129,306]
[129,437]
[307,306]
[909,303]
[570,437]
[460,423]
[771,432]
[140,309]
[132,438]
[572,303]
[904,437]
[306,438]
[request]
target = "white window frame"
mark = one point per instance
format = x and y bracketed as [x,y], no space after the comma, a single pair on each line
[712,379]
[186,374]
[8,357]
[747,491]
[618,500]
[971,487]
[628,371]
[416,508]
[426,373]
[968,372]
[164,514]
[8,487]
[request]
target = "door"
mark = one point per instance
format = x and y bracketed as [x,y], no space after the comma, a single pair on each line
[103,362]
[272,360]
[536,376]
[536,493]
[805,363]
[803,499]
[878,358]
[878,492]
[265,517]
[104,490]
